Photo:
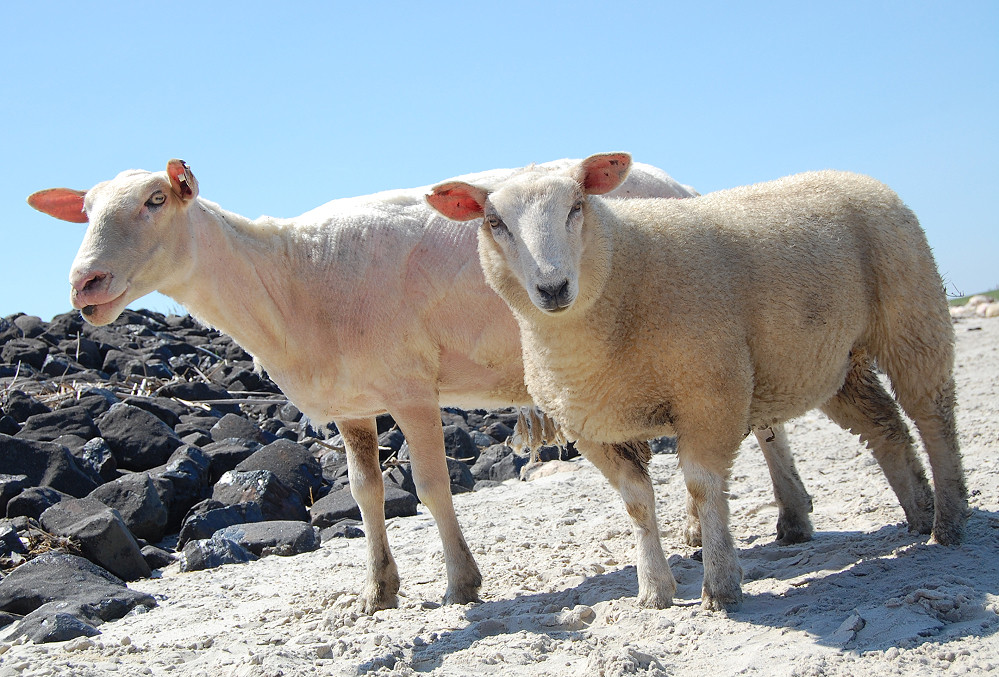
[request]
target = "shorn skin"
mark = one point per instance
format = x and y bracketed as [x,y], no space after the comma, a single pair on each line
[360,307]
[718,315]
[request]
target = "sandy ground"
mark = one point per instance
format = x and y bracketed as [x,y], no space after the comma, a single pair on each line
[865,597]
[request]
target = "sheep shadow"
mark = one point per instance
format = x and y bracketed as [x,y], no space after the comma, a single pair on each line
[849,590]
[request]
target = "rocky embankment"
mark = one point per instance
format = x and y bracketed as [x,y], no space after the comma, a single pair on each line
[126,447]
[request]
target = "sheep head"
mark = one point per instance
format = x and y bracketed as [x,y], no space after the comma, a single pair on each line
[532,237]
[126,252]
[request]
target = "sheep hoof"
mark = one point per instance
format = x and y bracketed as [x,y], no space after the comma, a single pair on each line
[462,595]
[948,535]
[369,603]
[657,599]
[730,601]
[790,531]
[692,536]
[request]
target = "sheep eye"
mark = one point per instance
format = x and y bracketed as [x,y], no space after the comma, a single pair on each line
[496,225]
[156,200]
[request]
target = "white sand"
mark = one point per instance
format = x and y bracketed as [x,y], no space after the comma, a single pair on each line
[865,597]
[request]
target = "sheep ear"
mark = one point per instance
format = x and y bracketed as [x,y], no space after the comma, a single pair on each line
[62,203]
[182,180]
[599,174]
[458,200]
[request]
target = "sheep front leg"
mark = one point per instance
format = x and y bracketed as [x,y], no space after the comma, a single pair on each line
[707,487]
[368,489]
[793,501]
[421,424]
[626,467]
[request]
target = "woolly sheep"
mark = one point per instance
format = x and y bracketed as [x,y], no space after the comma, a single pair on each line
[718,315]
[359,307]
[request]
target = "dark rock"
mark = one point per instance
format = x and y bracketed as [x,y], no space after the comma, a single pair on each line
[345,528]
[486,484]
[289,413]
[138,503]
[75,445]
[46,465]
[67,324]
[27,350]
[334,465]
[96,458]
[60,365]
[461,477]
[456,417]
[663,445]
[337,505]
[83,351]
[95,401]
[50,623]
[213,552]
[233,425]
[187,472]
[33,501]
[273,538]
[8,426]
[138,439]
[165,410]
[196,391]
[276,499]
[19,406]
[10,541]
[402,477]
[103,537]
[66,584]
[10,486]
[208,516]
[31,326]
[393,439]
[292,463]
[50,425]
[196,439]
[482,440]
[498,463]
[340,504]
[157,558]
[499,431]
[227,454]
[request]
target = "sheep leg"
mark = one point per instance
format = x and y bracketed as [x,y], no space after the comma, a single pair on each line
[865,408]
[368,489]
[708,489]
[692,533]
[626,468]
[793,501]
[933,415]
[421,424]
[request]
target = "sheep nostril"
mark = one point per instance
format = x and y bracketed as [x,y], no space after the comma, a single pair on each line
[93,282]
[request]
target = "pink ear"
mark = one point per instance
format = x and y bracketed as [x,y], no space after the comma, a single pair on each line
[182,180]
[62,203]
[604,172]
[458,201]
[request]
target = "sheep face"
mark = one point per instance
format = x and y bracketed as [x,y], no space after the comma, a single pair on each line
[533,226]
[134,242]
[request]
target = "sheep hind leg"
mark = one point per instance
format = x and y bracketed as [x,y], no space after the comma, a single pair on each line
[421,424]
[626,467]
[933,415]
[865,408]
[368,488]
[793,501]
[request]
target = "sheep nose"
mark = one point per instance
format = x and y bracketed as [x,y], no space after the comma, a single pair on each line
[555,295]
[88,281]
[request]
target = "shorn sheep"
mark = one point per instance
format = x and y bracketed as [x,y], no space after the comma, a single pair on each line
[362,306]
[718,315]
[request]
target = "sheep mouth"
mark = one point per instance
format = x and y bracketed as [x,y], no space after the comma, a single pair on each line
[106,312]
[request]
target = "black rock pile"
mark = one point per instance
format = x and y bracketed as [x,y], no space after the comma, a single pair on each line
[127,447]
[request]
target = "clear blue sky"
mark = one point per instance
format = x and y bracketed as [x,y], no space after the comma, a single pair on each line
[279,107]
